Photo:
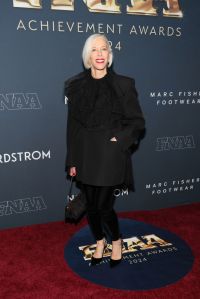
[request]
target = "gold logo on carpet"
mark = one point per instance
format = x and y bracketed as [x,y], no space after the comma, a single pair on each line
[130,245]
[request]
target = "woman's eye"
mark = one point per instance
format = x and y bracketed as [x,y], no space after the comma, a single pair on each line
[93,50]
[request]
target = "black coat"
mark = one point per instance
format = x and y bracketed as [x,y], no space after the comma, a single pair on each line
[98,160]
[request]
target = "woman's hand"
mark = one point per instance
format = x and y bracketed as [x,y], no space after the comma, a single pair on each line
[113,139]
[72,171]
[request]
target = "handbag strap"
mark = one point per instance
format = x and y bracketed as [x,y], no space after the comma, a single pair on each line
[70,188]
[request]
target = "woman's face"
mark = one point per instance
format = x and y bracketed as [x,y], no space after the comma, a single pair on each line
[99,56]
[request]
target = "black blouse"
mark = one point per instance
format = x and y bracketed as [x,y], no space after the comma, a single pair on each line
[94,103]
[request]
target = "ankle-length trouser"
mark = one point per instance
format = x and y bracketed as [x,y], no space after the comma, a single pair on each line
[100,213]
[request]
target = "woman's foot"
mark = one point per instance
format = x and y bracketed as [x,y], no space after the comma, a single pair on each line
[116,255]
[99,251]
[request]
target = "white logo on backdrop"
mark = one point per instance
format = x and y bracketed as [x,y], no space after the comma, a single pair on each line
[175,98]
[175,143]
[24,156]
[172,185]
[19,101]
[24,205]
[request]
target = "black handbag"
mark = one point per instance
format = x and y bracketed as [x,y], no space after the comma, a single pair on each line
[76,207]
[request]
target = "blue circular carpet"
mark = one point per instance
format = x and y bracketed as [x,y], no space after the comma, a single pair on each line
[152,258]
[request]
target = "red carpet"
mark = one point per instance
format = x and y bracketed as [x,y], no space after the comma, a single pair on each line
[32,263]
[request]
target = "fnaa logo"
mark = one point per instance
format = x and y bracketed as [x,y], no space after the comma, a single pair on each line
[170,8]
[24,205]
[19,101]
[133,244]
[175,143]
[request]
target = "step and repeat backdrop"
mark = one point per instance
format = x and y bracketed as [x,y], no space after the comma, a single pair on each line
[154,41]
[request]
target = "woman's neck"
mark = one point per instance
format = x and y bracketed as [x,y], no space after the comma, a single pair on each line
[98,74]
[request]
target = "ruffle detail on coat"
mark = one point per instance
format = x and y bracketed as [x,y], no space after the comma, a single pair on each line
[93,102]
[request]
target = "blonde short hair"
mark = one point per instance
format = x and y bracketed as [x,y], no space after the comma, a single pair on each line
[87,50]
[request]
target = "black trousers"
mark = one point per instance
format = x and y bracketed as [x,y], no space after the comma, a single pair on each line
[101,216]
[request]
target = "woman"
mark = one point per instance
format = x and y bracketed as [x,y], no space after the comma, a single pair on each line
[104,121]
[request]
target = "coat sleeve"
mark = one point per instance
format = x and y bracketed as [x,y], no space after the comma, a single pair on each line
[133,123]
[73,128]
